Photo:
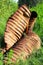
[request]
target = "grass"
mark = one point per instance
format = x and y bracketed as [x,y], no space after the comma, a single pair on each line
[6,9]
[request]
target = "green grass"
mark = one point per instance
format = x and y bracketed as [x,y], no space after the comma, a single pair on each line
[6,9]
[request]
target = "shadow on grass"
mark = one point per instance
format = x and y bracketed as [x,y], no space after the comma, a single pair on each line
[2,43]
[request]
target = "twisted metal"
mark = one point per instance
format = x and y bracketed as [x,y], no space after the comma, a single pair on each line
[25,47]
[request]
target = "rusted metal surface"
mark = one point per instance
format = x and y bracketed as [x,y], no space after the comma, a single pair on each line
[16,25]
[23,19]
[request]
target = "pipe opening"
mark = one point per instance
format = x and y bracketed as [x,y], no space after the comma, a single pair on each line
[33,14]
